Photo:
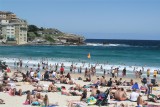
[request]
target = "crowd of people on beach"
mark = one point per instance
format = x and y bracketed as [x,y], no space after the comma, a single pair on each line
[116,89]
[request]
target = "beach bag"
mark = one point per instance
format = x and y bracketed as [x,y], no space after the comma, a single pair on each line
[91,100]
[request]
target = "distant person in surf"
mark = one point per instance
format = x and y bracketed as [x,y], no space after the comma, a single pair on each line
[104,72]
[20,63]
[124,72]
[15,64]
[85,73]
[101,68]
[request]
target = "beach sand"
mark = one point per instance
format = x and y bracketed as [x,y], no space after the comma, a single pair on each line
[17,101]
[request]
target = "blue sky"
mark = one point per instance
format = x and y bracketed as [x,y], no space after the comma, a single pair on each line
[107,19]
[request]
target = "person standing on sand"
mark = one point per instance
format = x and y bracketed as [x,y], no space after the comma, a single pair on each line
[113,73]
[85,73]
[62,70]
[80,70]
[140,74]
[155,74]
[71,68]
[117,69]
[148,72]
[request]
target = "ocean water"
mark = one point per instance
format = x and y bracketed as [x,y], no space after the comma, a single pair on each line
[108,53]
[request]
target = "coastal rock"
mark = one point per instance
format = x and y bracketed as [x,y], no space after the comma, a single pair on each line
[51,36]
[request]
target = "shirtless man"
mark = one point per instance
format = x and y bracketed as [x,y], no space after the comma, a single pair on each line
[94,91]
[116,94]
[140,101]
[122,95]
[103,81]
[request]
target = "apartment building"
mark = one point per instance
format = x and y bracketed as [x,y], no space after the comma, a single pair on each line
[20,31]
[7,15]
[13,29]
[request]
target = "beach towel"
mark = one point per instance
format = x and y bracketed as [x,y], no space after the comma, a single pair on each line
[91,100]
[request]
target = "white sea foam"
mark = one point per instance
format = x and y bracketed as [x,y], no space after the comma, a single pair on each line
[67,64]
[101,44]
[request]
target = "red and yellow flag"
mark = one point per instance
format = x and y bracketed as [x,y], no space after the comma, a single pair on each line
[89,56]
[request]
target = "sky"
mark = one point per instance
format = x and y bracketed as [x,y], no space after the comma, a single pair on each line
[100,19]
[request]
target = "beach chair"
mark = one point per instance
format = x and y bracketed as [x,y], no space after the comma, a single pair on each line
[104,102]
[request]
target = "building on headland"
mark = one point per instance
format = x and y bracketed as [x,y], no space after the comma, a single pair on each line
[12,29]
[7,15]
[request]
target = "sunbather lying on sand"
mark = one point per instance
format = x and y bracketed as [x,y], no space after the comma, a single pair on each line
[38,88]
[83,98]
[154,98]
[14,92]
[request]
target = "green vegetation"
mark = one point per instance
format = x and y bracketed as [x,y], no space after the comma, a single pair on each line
[49,38]
[32,28]
[31,36]
[50,35]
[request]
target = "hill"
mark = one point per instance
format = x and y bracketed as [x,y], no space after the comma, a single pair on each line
[52,36]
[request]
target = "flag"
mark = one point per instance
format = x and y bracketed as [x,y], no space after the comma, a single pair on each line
[89,56]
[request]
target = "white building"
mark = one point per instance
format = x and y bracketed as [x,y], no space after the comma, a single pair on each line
[14,30]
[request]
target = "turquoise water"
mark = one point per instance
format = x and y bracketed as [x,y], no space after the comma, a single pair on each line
[117,53]
[141,56]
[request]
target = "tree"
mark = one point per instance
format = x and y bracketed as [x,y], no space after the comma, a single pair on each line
[31,36]
[32,28]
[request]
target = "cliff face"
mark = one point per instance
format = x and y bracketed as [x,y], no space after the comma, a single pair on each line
[53,36]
